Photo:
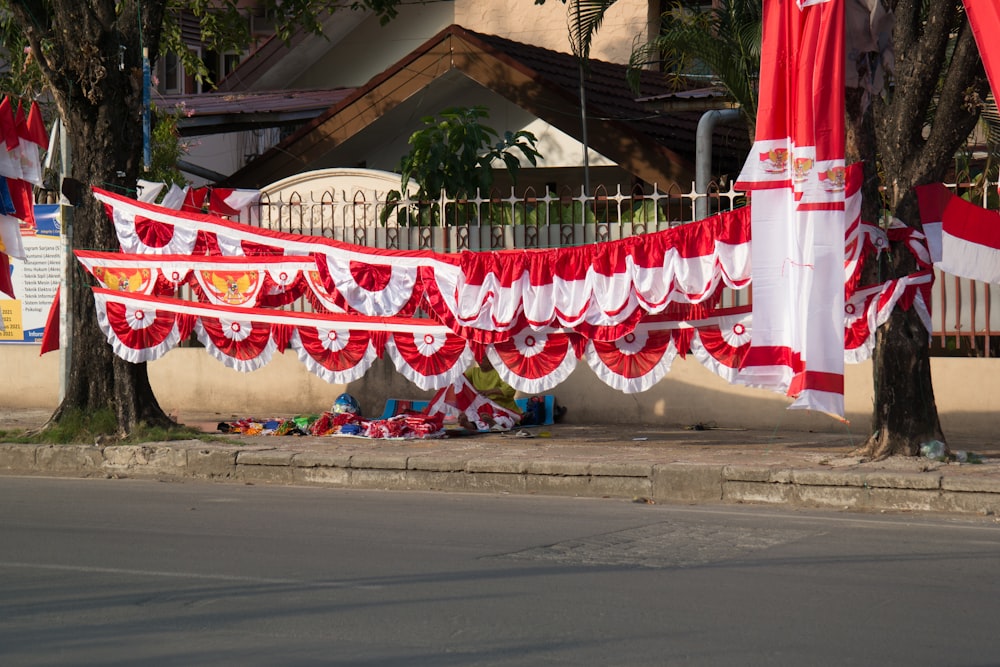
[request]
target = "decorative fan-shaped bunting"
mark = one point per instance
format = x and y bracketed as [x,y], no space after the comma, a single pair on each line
[430,360]
[635,362]
[376,290]
[721,347]
[229,288]
[860,322]
[239,344]
[319,296]
[140,280]
[139,332]
[533,361]
[143,236]
[338,356]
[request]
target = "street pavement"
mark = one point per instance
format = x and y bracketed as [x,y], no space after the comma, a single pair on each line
[650,464]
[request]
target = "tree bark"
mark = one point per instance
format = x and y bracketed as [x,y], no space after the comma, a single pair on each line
[92,63]
[937,66]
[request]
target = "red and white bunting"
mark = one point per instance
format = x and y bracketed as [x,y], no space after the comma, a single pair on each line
[139,331]
[338,356]
[601,291]
[429,359]
[722,348]
[636,361]
[533,360]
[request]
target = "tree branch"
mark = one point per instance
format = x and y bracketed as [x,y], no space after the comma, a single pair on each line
[962,96]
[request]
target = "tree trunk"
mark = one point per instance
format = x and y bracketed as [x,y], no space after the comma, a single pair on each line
[94,70]
[905,414]
[937,67]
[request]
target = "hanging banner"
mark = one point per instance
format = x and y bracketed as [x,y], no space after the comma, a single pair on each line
[796,175]
[35,278]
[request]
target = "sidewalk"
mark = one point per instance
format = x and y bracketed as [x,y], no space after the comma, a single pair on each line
[641,463]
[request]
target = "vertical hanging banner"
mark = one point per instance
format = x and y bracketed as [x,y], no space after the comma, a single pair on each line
[984,17]
[796,177]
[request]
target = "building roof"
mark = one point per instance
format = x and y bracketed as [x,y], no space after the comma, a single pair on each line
[654,146]
[211,113]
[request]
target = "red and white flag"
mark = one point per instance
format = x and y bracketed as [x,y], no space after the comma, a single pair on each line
[970,234]
[10,163]
[796,174]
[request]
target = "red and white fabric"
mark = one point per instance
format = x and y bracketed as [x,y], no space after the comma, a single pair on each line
[240,343]
[429,359]
[970,234]
[245,339]
[796,176]
[139,330]
[461,398]
[225,202]
[10,160]
[10,237]
[369,288]
[22,137]
[601,292]
[263,281]
[33,140]
[231,202]
[636,361]
[984,18]
[869,308]
[535,361]
[722,347]
[337,355]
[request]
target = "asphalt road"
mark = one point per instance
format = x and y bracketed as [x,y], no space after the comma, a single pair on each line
[122,572]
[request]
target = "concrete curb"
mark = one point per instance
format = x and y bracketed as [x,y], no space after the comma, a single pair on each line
[935,490]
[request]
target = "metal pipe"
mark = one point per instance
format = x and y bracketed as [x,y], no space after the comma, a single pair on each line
[703,155]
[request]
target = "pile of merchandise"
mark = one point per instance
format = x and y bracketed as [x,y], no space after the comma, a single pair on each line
[409,426]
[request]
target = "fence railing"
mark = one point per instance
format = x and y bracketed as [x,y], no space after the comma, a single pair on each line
[966,313]
[494,222]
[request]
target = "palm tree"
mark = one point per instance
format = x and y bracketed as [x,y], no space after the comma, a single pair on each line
[720,44]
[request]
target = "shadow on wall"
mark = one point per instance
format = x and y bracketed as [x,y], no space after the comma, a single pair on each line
[189,380]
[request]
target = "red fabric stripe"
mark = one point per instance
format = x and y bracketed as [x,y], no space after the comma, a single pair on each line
[8,130]
[984,17]
[932,200]
[6,284]
[815,380]
[972,223]
[35,127]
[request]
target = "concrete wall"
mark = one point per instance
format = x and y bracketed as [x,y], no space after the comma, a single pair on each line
[189,381]
[546,25]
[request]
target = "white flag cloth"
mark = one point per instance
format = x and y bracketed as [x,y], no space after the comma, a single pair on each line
[796,176]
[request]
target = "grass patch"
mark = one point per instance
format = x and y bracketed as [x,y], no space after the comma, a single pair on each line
[77,427]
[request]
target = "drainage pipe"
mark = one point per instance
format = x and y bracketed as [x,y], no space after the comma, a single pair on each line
[703,155]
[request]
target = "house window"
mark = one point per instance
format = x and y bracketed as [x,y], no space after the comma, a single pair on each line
[221,65]
[173,74]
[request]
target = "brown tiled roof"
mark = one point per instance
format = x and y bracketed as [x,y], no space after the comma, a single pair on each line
[609,97]
[654,146]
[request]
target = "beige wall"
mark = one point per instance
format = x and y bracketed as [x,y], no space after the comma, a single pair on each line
[546,25]
[189,381]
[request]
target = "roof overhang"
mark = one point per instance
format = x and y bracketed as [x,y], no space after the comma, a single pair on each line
[457,51]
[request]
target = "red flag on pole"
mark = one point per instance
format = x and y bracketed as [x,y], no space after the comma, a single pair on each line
[50,336]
